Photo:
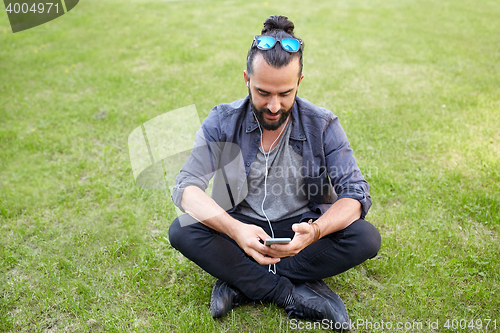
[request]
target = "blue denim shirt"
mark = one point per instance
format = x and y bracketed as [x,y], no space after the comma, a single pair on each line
[227,144]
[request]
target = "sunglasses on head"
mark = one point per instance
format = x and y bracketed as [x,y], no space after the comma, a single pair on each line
[267,43]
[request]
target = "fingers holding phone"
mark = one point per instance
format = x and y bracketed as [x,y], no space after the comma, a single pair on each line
[270,241]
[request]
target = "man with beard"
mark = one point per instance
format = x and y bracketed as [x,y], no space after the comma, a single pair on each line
[295,167]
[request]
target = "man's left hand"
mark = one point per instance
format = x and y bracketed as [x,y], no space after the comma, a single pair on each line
[304,236]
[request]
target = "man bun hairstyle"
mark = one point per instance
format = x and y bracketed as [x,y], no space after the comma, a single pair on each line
[275,22]
[278,27]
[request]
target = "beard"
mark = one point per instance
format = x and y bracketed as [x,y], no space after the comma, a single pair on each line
[269,125]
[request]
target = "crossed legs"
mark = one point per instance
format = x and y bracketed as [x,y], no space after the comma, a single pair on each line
[220,256]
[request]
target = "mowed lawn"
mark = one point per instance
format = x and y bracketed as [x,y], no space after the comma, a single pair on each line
[415,84]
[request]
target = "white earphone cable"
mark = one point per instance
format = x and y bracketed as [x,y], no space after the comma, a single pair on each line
[266,158]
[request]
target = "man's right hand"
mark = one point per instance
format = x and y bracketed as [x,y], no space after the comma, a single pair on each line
[249,238]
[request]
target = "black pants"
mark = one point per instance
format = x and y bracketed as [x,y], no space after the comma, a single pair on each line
[220,256]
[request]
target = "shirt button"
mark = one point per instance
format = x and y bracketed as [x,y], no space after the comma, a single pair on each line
[301,136]
[249,128]
[256,139]
[248,163]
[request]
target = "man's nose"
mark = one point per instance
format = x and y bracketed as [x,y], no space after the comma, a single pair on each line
[274,104]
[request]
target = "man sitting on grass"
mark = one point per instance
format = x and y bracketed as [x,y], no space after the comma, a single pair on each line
[292,165]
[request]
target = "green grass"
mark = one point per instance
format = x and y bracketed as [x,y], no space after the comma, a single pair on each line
[415,85]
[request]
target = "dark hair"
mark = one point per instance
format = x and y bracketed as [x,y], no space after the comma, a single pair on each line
[278,27]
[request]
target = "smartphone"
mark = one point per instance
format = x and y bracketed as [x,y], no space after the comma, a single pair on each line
[270,241]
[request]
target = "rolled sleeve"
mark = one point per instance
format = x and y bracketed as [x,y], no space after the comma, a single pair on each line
[183,180]
[357,192]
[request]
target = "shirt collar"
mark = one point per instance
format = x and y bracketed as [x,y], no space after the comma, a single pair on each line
[250,122]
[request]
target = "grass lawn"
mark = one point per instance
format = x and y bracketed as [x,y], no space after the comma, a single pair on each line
[415,84]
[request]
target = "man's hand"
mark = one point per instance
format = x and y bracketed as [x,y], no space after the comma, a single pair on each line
[304,236]
[248,237]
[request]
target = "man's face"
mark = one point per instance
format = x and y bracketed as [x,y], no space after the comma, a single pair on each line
[272,91]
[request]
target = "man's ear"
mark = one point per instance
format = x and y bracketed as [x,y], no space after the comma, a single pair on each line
[300,79]
[247,78]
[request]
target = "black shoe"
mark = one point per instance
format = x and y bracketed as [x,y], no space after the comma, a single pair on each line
[316,301]
[224,298]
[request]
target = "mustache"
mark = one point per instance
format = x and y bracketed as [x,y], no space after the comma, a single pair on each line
[266,110]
